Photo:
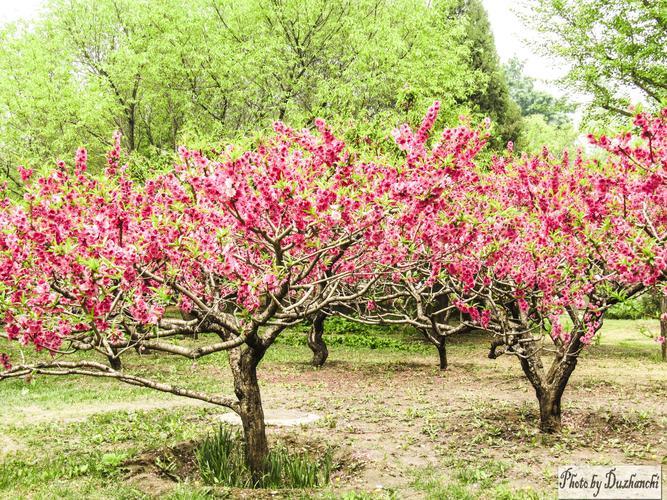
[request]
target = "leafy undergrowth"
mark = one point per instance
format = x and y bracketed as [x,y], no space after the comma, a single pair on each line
[136,450]
[221,460]
[341,332]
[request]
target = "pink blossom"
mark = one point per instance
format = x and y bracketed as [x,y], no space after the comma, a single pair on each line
[4,361]
[25,173]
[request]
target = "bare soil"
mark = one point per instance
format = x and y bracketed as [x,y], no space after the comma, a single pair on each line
[392,419]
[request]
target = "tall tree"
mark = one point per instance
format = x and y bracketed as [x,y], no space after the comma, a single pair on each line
[491,95]
[547,119]
[531,100]
[616,50]
[165,72]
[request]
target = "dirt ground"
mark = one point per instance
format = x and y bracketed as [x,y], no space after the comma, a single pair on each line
[412,415]
[409,430]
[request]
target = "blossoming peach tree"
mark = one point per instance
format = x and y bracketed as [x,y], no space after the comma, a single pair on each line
[436,189]
[246,245]
[565,240]
[532,249]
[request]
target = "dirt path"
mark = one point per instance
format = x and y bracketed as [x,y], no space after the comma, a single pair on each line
[8,445]
[35,414]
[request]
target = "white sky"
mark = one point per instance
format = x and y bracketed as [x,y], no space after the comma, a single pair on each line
[510,35]
[513,38]
[11,10]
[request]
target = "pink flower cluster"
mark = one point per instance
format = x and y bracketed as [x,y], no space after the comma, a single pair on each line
[519,237]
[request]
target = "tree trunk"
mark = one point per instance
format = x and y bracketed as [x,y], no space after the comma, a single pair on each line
[549,389]
[442,353]
[663,325]
[189,317]
[114,361]
[244,361]
[316,342]
[550,416]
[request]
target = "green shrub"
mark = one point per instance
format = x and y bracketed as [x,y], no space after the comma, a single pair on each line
[221,460]
[343,332]
[643,307]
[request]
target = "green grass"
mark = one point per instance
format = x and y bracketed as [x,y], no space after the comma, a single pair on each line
[221,461]
[342,333]
[88,458]
[624,338]
[464,481]
[72,455]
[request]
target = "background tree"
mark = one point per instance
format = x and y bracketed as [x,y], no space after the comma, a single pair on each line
[531,100]
[616,50]
[547,119]
[85,69]
[491,95]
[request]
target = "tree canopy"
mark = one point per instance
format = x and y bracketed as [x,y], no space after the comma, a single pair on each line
[170,72]
[546,119]
[531,100]
[616,50]
[490,96]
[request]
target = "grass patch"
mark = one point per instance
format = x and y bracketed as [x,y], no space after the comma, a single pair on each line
[340,332]
[221,461]
[483,479]
[385,395]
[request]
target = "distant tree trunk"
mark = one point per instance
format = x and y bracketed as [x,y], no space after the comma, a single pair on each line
[663,325]
[243,362]
[316,341]
[435,337]
[188,316]
[442,353]
[114,361]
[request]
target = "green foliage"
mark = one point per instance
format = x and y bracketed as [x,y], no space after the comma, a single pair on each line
[85,69]
[537,133]
[88,464]
[491,96]
[546,119]
[616,51]
[342,332]
[533,101]
[643,307]
[221,461]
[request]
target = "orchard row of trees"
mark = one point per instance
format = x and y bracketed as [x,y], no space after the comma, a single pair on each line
[532,250]
[169,72]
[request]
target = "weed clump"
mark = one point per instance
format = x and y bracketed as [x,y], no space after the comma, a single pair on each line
[221,461]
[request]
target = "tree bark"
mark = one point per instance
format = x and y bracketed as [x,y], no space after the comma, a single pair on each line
[442,353]
[243,361]
[663,326]
[550,415]
[114,361]
[316,342]
[549,387]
